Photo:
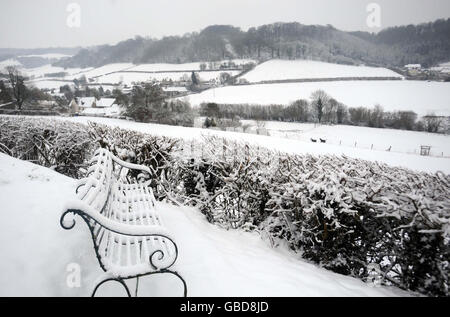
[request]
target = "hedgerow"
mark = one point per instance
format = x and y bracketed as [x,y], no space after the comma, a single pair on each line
[342,213]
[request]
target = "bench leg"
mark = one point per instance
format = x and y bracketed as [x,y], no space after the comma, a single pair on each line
[111,279]
[177,275]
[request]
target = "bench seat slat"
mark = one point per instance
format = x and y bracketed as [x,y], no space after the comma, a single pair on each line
[129,236]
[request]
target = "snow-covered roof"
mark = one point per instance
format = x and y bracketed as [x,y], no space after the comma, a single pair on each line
[114,110]
[105,102]
[86,102]
[181,89]
[413,66]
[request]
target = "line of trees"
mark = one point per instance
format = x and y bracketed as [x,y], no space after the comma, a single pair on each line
[427,44]
[323,109]
[14,90]
[149,104]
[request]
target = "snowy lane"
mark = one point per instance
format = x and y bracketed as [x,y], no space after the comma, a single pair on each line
[38,257]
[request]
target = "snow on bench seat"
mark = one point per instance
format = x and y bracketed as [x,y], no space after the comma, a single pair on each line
[129,237]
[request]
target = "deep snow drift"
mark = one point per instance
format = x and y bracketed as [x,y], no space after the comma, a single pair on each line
[37,254]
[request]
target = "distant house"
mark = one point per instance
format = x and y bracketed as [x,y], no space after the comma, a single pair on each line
[413,69]
[47,103]
[175,91]
[92,106]
[413,66]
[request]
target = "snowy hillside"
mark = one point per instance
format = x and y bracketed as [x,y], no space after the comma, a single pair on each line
[9,62]
[40,72]
[443,68]
[103,70]
[182,67]
[302,69]
[48,56]
[129,77]
[126,73]
[214,262]
[419,96]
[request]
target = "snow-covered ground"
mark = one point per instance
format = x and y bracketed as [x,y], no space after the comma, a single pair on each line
[103,70]
[40,72]
[127,73]
[129,77]
[49,84]
[49,56]
[283,144]
[443,68]
[38,256]
[114,110]
[304,69]
[9,62]
[401,140]
[161,67]
[419,96]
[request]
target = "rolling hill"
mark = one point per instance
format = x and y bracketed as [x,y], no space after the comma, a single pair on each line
[427,44]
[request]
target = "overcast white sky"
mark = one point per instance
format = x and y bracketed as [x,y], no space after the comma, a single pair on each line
[42,23]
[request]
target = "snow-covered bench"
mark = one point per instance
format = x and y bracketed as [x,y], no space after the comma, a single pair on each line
[129,238]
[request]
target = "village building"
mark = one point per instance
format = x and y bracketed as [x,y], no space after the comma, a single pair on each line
[175,91]
[95,107]
[413,69]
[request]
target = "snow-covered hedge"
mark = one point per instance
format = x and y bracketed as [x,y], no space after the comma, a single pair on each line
[344,214]
[339,212]
[60,145]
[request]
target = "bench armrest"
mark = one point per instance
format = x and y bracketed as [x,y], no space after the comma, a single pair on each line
[131,166]
[83,210]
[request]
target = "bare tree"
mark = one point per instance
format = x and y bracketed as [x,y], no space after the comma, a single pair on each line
[433,123]
[18,87]
[320,100]
[330,111]
[341,113]
[260,124]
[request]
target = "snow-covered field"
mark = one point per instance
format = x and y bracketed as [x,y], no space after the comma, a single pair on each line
[49,84]
[103,70]
[49,56]
[161,67]
[444,68]
[9,62]
[38,256]
[303,69]
[400,140]
[129,77]
[40,72]
[281,143]
[127,73]
[419,96]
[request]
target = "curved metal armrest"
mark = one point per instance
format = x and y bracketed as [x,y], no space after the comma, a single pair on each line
[85,211]
[131,166]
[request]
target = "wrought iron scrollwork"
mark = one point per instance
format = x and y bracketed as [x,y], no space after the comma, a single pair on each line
[155,258]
